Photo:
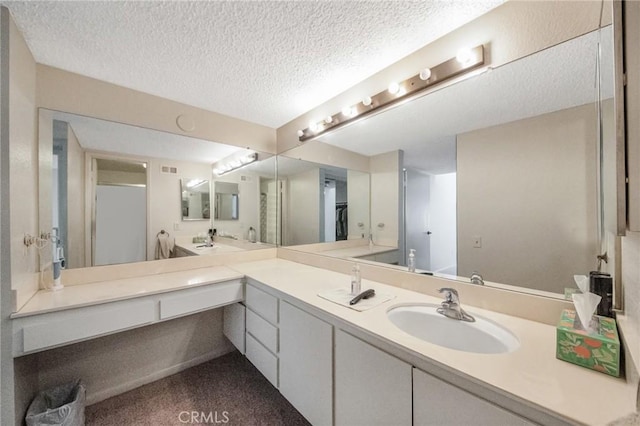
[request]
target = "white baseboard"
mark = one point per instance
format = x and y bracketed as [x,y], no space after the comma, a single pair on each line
[101,395]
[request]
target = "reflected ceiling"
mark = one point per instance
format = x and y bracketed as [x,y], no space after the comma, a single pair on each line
[561,77]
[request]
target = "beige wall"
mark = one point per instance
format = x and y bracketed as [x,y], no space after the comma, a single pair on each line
[631,242]
[386,172]
[302,222]
[358,193]
[120,362]
[527,189]
[23,157]
[508,32]
[64,91]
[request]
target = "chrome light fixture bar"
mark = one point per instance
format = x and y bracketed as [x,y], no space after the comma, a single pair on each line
[466,60]
[234,163]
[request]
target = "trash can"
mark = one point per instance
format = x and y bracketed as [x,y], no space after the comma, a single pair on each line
[62,405]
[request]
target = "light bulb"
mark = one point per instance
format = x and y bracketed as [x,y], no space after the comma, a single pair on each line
[366,101]
[464,56]
[313,126]
[329,119]
[300,133]
[425,74]
[348,111]
[393,88]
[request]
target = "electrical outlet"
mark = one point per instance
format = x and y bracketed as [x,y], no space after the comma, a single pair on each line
[477,242]
[176,226]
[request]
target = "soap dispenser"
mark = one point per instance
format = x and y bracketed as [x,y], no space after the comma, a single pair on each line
[355,280]
[411,261]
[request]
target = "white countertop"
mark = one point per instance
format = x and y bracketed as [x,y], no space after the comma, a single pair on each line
[221,245]
[531,372]
[78,296]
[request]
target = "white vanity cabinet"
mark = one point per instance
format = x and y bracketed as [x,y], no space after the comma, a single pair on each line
[371,386]
[438,403]
[261,338]
[306,364]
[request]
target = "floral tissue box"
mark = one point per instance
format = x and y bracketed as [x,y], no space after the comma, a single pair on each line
[598,350]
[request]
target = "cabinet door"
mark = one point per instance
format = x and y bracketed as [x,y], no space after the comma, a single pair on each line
[438,403]
[372,387]
[306,364]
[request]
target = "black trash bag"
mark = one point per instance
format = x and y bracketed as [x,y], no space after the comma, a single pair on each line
[62,405]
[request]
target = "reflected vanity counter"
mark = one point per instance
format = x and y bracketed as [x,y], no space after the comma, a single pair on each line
[356,249]
[186,247]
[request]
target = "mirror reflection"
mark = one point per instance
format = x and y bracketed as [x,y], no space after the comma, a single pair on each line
[196,200]
[106,186]
[499,172]
[226,205]
[322,203]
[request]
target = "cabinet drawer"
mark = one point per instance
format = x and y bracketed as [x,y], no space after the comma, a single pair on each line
[198,299]
[264,361]
[262,303]
[87,324]
[264,332]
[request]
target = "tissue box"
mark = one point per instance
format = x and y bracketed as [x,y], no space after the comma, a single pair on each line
[598,350]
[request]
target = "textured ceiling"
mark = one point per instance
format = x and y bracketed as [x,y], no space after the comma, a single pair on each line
[557,78]
[266,62]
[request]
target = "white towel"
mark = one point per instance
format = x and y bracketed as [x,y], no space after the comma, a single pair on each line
[164,246]
[342,296]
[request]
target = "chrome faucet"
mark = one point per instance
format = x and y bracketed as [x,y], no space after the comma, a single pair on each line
[450,308]
[476,278]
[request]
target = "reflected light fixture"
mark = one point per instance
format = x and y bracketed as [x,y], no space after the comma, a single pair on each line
[464,56]
[195,182]
[465,61]
[234,162]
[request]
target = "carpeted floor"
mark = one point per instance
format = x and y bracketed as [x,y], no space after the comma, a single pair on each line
[225,391]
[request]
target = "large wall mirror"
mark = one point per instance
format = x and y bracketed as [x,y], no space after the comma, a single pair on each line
[321,203]
[501,171]
[113,191]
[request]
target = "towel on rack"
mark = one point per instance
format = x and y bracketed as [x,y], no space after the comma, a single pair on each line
[164,246]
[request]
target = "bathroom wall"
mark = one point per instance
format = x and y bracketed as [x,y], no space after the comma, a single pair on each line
[318,152]
[514,214]
[358,204]
[23,157]
[64,91]
[386,181]
[302,221]
[120,362]
[631,242]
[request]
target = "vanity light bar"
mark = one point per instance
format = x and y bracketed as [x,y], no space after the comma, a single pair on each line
[235,164]
[466,60]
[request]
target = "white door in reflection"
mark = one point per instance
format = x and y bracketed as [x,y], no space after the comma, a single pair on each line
[121,224]
[430,220]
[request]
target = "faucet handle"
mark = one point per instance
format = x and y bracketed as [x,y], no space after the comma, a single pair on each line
[450,294]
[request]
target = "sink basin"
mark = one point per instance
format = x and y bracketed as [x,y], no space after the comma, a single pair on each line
[482,336]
